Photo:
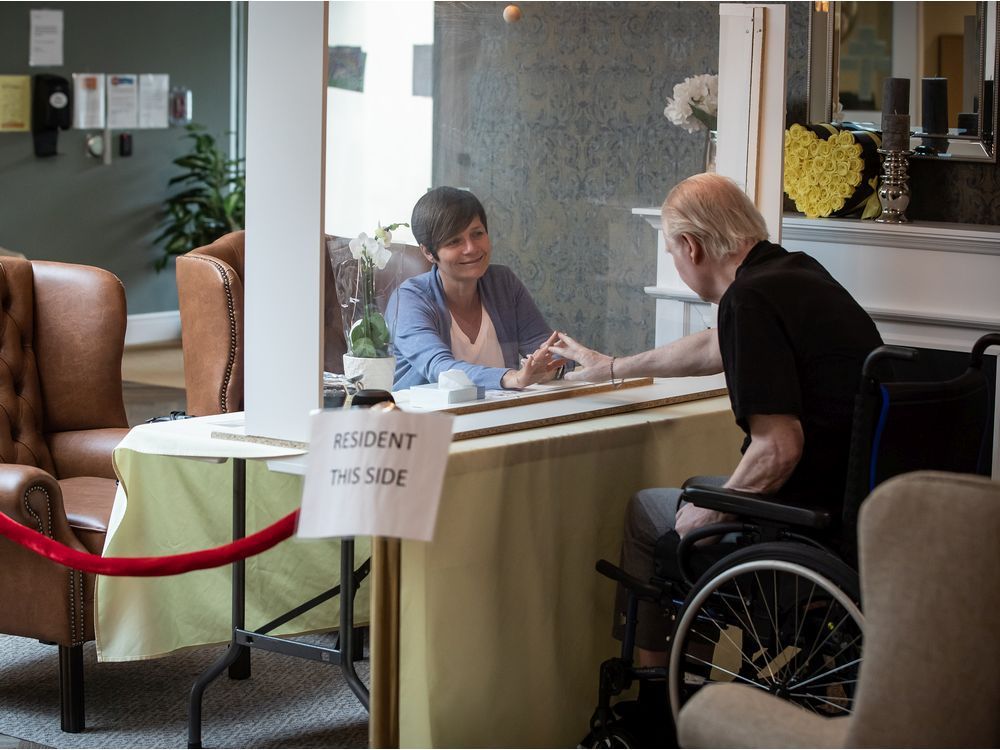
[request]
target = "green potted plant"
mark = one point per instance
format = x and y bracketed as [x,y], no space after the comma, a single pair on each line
[212,202]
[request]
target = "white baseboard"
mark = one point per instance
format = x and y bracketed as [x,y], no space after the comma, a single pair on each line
[153,328]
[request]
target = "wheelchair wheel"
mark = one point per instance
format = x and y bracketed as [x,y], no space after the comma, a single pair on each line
[782,617]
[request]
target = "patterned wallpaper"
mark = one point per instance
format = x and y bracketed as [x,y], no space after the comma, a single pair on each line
[556,123]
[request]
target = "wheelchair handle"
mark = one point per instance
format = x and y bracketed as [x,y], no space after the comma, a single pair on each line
[688,541]
[980,347]
[886,352]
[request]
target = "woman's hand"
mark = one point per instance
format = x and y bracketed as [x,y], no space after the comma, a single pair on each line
[537,367]
[594,367]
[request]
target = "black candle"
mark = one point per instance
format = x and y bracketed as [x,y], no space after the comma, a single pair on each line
[896,124]
[896,132]
[968,123]
[934,109]
[896,96]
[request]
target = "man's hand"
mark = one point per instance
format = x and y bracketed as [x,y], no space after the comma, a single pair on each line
[538,367]
[594,367]
[691,517]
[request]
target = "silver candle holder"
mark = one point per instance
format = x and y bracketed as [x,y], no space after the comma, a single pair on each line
[894,190]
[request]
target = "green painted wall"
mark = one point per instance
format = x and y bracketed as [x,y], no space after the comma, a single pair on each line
[73,208]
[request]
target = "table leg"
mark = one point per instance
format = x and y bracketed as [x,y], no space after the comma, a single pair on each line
[383,723]
[236,657]
[347,621]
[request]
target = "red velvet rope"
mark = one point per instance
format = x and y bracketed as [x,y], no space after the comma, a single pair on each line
[149,566]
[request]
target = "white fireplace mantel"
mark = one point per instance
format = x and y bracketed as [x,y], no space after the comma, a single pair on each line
[926,284]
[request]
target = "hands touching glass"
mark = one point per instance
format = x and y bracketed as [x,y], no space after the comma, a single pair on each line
[593,367]
[538,367]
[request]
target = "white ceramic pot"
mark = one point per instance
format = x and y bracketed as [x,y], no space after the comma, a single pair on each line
[375,372]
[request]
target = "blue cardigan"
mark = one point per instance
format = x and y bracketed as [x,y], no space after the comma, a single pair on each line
[420,324]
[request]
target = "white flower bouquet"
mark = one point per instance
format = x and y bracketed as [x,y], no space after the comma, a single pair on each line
[365,329]
[695,103]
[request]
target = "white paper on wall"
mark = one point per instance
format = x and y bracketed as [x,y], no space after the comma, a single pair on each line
[123,101]
[374,473]
[153,91]
[88,100]
[46,42]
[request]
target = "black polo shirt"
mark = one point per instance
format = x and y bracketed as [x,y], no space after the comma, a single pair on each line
[793,342]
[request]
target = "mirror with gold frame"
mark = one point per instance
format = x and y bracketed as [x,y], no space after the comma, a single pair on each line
[854,45]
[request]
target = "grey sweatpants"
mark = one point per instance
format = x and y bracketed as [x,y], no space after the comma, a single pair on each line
[650,514]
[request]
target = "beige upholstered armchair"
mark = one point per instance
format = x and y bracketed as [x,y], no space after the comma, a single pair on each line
[930,574]
[210,293]
[62,334]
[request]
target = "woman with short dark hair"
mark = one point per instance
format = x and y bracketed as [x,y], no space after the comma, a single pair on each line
[465,313]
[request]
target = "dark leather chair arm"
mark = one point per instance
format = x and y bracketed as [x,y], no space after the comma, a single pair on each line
[85,453]
[751,505]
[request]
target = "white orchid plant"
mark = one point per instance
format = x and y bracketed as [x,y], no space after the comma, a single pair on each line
[695,103]
[368,335]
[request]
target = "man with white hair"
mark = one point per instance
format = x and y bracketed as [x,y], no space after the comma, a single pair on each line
[791,342]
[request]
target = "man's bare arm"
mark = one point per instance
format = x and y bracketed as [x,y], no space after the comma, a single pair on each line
[771,457]
[774,452]
[697,354]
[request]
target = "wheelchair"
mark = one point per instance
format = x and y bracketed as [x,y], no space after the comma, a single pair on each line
[777,603]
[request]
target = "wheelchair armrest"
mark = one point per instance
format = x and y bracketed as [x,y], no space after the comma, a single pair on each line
[752,505]
[642,589]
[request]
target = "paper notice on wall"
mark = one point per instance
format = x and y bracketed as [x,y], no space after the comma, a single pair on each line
[46,42]
[15,104]
[123,101]
[153,91]
[88,100]
[374,473]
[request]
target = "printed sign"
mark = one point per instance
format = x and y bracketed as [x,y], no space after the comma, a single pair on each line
[123,101]
[88,100]
[374,473]
[45,46]
[15,103]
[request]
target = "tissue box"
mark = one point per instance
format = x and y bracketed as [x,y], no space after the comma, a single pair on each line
[430,395]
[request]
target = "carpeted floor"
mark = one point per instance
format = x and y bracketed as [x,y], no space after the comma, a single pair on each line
[287,702]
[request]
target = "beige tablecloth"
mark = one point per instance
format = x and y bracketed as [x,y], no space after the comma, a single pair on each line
[168,504]
[503,620]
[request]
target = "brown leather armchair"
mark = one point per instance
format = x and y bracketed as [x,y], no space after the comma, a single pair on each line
[210,296]
[62,335]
